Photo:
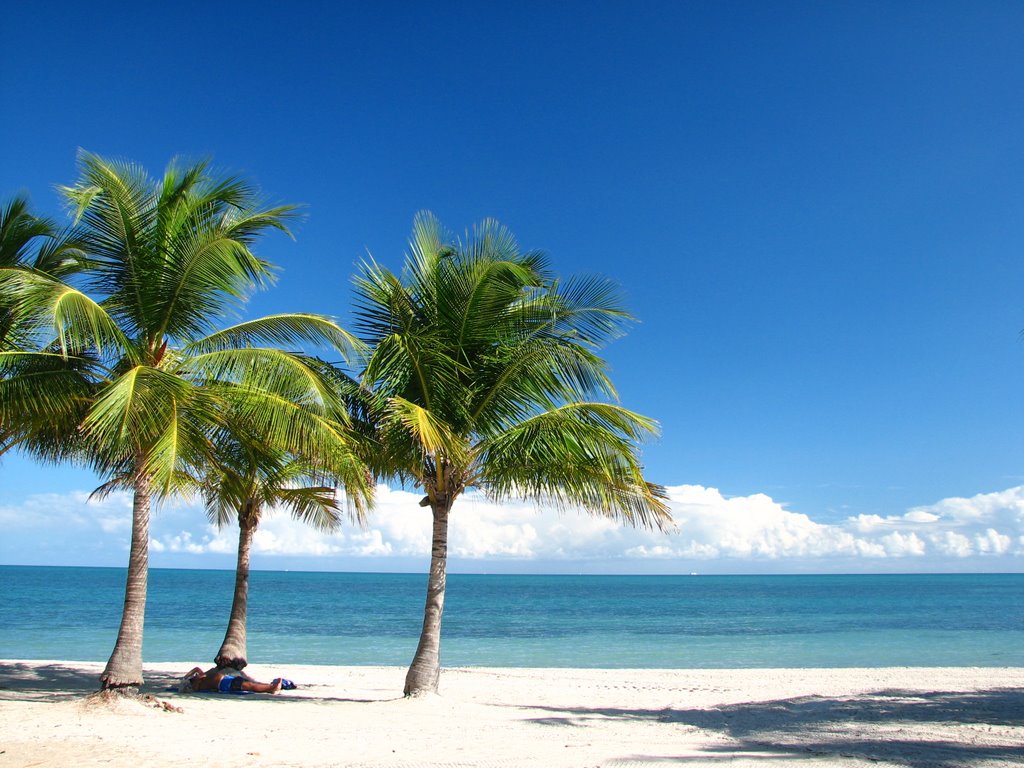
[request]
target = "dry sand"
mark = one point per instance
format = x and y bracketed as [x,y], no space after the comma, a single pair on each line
[356,716]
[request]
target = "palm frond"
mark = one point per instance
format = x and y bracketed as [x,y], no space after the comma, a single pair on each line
[294,330]
[424,429]
[582,455]
[317,507]
[588,309]
[302,381]
[115,216]
[248,223]
[51,308]
[61,255]
[20,232]
[150,416]
[206,271]
[43,398]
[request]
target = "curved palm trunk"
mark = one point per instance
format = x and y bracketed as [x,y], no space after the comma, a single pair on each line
[124,669]
[425,670]
[233,650]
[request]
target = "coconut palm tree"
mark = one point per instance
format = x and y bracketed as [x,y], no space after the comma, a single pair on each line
[485,375]
[166,260]
[250,475]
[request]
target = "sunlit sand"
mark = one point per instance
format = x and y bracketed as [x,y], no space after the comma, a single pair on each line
[356,716]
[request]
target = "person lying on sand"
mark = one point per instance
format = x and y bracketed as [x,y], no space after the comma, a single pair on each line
[215,680]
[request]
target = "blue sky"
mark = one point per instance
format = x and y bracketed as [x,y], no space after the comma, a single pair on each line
[815,211]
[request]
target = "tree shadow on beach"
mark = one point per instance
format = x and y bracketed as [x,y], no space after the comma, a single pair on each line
[909,753]
[46,682]
[909,728]
[53,682]
[37,681]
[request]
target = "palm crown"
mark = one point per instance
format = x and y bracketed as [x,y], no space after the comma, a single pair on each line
[483,368]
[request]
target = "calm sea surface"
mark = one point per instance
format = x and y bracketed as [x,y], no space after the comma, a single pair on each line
[535,621]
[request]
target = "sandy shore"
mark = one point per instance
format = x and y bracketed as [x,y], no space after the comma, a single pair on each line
[356,716]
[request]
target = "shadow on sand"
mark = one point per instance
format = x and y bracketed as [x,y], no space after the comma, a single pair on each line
[916,727]
[45,682]
[62,682]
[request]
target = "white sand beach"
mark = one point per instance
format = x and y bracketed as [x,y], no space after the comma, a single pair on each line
[356,716]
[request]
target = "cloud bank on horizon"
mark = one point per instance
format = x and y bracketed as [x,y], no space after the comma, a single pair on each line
[754,533]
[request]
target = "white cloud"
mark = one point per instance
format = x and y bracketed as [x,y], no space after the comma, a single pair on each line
[758,527]
[710,526]
[900,544]
[181,542]
[68,511]
[953,543]
[993,541]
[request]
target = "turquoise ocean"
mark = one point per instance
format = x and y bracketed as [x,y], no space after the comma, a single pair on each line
[531,621]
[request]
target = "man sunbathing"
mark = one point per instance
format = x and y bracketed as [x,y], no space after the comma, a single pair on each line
[215,680]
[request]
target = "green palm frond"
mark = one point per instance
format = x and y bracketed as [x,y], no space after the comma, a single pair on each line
[534,373]
[383,306]
[29,244]
[52,309]
[115,215]
[433,437]
[588,309]
[606,418]
[177,184]
[315,506]
[43,398]
[159,420]
[428,245]
[248,223]
[293,331]
[252,471]
[282,421]
[579,455]
[21,232]
[181,447]
[61,255]
[207,271]
[115,200]
[284,375]
[299,405]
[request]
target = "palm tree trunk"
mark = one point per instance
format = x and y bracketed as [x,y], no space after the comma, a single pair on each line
[124,669]
[425,671]
[233,650]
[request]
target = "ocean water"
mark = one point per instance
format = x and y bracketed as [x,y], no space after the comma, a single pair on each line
[531,621]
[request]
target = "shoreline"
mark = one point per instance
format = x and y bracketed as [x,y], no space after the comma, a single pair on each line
[517,716]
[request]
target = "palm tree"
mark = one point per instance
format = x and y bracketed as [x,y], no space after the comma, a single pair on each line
[485,375]
[249,475]
[166,259]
